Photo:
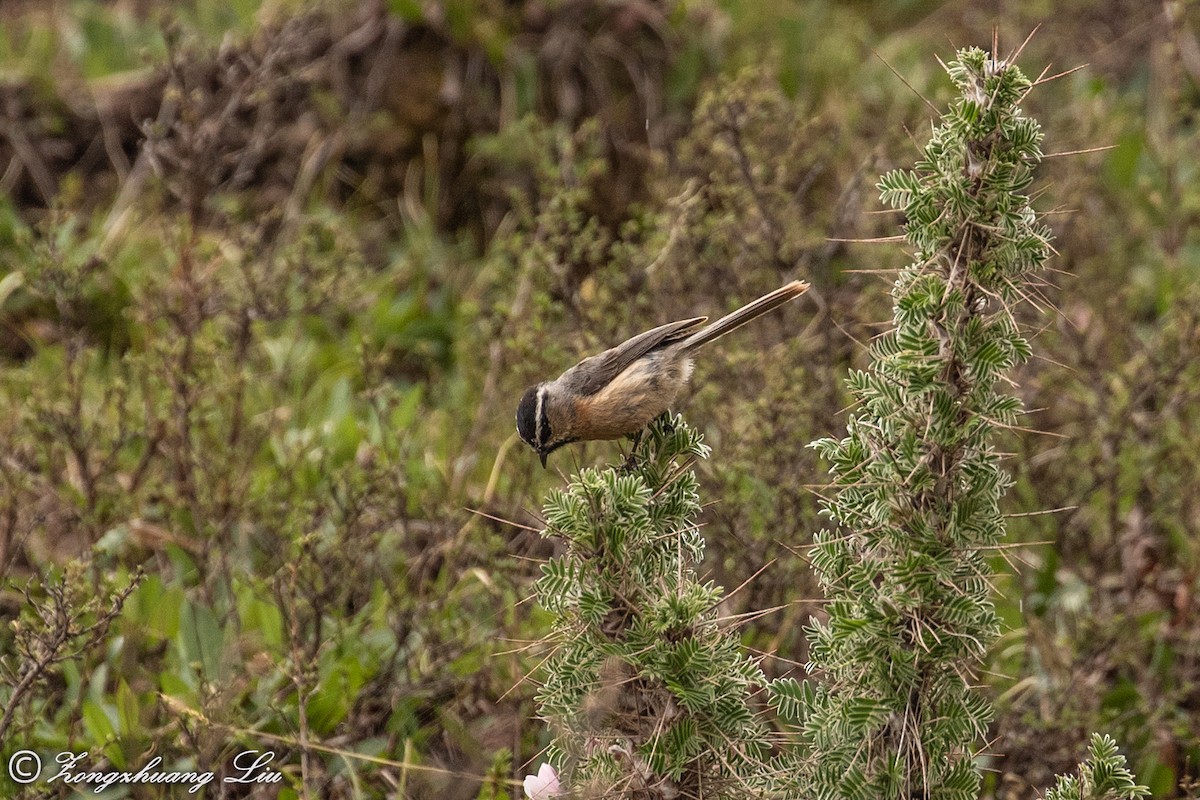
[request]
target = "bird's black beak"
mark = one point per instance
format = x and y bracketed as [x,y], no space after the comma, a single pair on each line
[542,454]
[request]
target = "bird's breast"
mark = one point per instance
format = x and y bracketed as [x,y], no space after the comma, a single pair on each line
[638,394]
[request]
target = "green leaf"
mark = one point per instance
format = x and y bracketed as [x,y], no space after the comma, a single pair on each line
[99,722]
[128,713]
[200,640]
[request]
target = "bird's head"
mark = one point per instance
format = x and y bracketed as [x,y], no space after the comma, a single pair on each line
[534,422]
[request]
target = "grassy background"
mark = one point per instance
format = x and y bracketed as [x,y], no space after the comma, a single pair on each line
[273,275]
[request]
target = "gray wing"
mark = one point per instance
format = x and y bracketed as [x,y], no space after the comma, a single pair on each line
[595,372]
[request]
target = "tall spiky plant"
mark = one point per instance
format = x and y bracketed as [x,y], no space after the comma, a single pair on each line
[646,692]
[917,477]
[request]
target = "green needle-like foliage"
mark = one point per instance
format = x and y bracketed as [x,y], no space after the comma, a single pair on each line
[646,692]
[917,477]
[1102,777]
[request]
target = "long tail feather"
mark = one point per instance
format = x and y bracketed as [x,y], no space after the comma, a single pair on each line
[735,320]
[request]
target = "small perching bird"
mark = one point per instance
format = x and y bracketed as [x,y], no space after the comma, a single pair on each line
[620,391]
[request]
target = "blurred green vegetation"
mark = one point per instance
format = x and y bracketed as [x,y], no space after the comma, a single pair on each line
[273,275]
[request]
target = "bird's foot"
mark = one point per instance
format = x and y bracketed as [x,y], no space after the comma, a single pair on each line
[631,460]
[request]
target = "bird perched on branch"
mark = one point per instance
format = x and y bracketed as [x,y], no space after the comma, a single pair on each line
[618,392]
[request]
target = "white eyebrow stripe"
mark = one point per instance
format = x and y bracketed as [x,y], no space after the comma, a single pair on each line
[537,415]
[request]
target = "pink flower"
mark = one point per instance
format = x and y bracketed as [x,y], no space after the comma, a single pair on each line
[544,785]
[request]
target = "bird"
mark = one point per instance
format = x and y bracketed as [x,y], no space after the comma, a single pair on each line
[620,391]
